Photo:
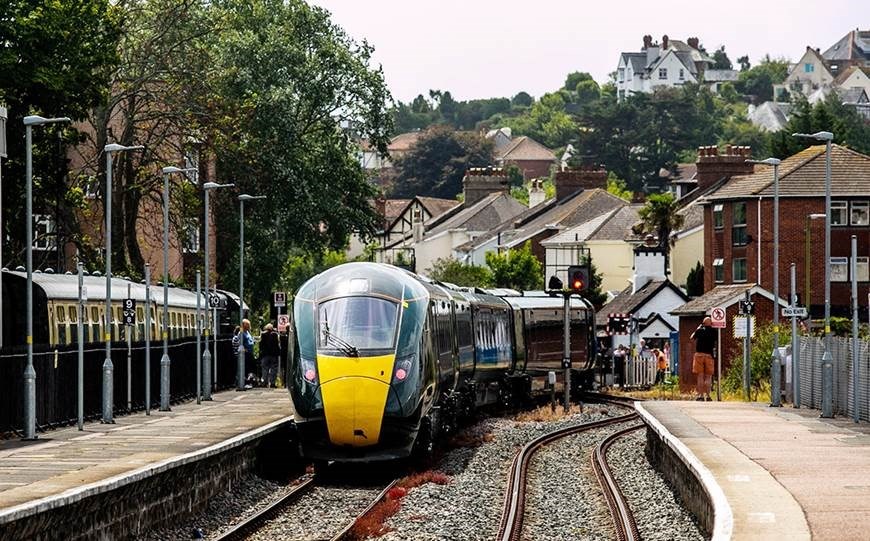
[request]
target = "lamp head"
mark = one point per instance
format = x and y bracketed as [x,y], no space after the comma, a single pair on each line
[115,147]
[767,161]
[246,197]
[818,136]
[172,169]
[36,120]
[215,185]
[816,216]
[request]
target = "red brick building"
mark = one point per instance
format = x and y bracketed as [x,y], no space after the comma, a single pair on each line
[533,158]
[693,312]
[738,223]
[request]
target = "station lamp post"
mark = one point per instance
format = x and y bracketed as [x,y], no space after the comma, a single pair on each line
[827,359]
[165,363]
[206,356]
[775,370]
[29,372]
[240,374]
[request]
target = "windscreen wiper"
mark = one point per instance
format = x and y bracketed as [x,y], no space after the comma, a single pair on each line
[343,345]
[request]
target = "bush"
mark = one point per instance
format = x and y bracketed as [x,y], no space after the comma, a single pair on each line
[759,360]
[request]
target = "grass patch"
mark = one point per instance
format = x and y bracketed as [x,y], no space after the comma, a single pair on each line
[545,413]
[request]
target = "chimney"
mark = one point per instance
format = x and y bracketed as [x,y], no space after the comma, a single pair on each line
[692,42]
[584,178]
[665,42]
[381,208]
[479,182]
[714,165]
[652,52]
[649,265]
[647,42]
[417,224]
[536,192]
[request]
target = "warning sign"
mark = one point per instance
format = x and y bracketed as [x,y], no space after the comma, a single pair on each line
[718,316]
[283,322]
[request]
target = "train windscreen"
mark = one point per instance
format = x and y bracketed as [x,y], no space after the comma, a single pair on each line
[358,322]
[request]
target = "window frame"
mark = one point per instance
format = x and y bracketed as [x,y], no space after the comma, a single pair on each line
[862,205]
[809,67]
[663,74]
[718,270]
[840,208]
[863,275]
[718,216]
[734,263]
[738,229]
[839,262]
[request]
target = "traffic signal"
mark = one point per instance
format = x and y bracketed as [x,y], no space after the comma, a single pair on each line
[578,278]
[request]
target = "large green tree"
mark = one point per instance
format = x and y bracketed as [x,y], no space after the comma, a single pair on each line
[758,81]
[659,217]
[56,59]
[461,274]
[437,163]
[516,268]
[831,115]
[290,89]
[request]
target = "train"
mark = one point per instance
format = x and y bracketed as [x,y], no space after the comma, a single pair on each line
[387,362]
[55,309]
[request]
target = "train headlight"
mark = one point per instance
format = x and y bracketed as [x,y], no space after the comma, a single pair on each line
[309,371]
[310,375]
[403,368]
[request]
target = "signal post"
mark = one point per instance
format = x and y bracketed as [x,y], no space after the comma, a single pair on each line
[578,281]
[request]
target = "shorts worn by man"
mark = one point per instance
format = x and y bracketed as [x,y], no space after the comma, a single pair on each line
[702,364]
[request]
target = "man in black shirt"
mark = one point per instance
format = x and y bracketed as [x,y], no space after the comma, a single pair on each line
[269,352]
[702,364]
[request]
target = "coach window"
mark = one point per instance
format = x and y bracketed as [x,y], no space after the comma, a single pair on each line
[140,322]
[860,213]
[95,326]
[60,322]
[72,310]
[173,325]
[839,269]
[839,213]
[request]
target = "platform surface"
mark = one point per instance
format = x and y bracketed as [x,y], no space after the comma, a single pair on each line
[65,460]
[786,473]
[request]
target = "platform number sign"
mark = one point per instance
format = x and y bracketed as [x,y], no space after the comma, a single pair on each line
[280,299]
[214,301]
[129,312]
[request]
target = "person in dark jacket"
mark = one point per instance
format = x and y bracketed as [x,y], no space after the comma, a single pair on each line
[269,352]
[702,363]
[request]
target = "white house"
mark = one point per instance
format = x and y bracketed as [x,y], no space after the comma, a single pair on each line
[673,63]
[806,76]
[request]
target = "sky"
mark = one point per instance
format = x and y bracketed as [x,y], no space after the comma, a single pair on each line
[489,48]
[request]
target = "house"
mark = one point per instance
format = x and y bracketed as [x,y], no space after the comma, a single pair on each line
[806,76]
[714,79]
[648,301]
[853,49]
[738,225]
[487,203]
[770,116]
[500,137]
[673,63]
[609,241]
[530,156]
[579,197]
[681,180]
[692,314]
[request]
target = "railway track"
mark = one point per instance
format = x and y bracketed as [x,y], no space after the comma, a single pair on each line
[623,518]
[511,526]
[259,520]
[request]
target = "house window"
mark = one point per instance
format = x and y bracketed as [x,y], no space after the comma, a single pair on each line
[862,269]
[718,220]
[809,68]
[43,232]
[718,270]
[839,269]
[682,74]
[839,213]
[738,224]
[860,213]
[738,269]
[621,74]
[663,73]
[622,95]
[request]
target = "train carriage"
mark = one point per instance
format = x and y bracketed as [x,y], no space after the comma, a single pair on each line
[387,360]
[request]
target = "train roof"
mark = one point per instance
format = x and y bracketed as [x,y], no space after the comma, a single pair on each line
[541,301]
[361,278]
[65,287]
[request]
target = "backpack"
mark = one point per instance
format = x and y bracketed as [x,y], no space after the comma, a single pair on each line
[237,341]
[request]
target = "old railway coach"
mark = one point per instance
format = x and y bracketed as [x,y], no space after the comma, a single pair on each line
[387,361]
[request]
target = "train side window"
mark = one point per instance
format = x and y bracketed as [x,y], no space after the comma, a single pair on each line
[94,325]
[140,323]
[173,325]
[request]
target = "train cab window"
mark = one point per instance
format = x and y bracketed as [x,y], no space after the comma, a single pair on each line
[361,322]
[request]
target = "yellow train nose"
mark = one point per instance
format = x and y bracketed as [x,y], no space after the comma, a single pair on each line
[354,391]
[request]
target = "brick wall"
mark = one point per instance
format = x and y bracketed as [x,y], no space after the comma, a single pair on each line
[568,182]
[532,168]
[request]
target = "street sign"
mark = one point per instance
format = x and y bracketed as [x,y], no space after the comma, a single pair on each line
[797,311]
[214,300]
[129,312]
[283,322]
[279,299]
[566,363]
[740,323]
[718,316]
[747,307]
[84,293]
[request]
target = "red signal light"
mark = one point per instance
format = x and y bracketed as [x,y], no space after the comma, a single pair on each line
[578,277]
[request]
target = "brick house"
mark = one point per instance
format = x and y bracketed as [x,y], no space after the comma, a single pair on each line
[531,157]
[693,312]
[738,223]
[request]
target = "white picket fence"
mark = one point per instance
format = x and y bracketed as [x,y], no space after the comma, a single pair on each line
[640,372]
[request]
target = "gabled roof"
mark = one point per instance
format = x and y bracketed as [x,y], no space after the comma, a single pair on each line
[803,175]
[724,295]
[393,208]
[637,61]
[579,233]
[713,76]
[854,95]
[404,141]
[435,205]
[853,46]
[525,148]
[627,302]
[618,226]
[841,78]
[768,116]
[485,214]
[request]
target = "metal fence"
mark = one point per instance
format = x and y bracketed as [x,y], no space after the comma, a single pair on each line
[57,379]
[811,350]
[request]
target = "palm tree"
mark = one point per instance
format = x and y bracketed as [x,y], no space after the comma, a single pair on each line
[659,216]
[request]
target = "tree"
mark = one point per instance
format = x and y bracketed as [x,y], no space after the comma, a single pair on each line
[759,80]
[659,217]
[593,293]
[546,122]
[831,115]
[437,163]
[522,99]
[56,59]
[695,281]
[617,187]
[744,62]
[721,60]
[285,81]
[516,269]
[574,78]
[587,91]
[461,274]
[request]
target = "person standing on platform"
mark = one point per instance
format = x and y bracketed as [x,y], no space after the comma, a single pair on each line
[247,341]
[269,352]
[661,365]
[702,364]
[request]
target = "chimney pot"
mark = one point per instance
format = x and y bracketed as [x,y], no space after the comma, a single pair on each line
[665,42]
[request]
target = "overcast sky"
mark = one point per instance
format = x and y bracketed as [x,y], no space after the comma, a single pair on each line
[489,48]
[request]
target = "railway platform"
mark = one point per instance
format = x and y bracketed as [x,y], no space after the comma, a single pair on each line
[769,473]
[143,459]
